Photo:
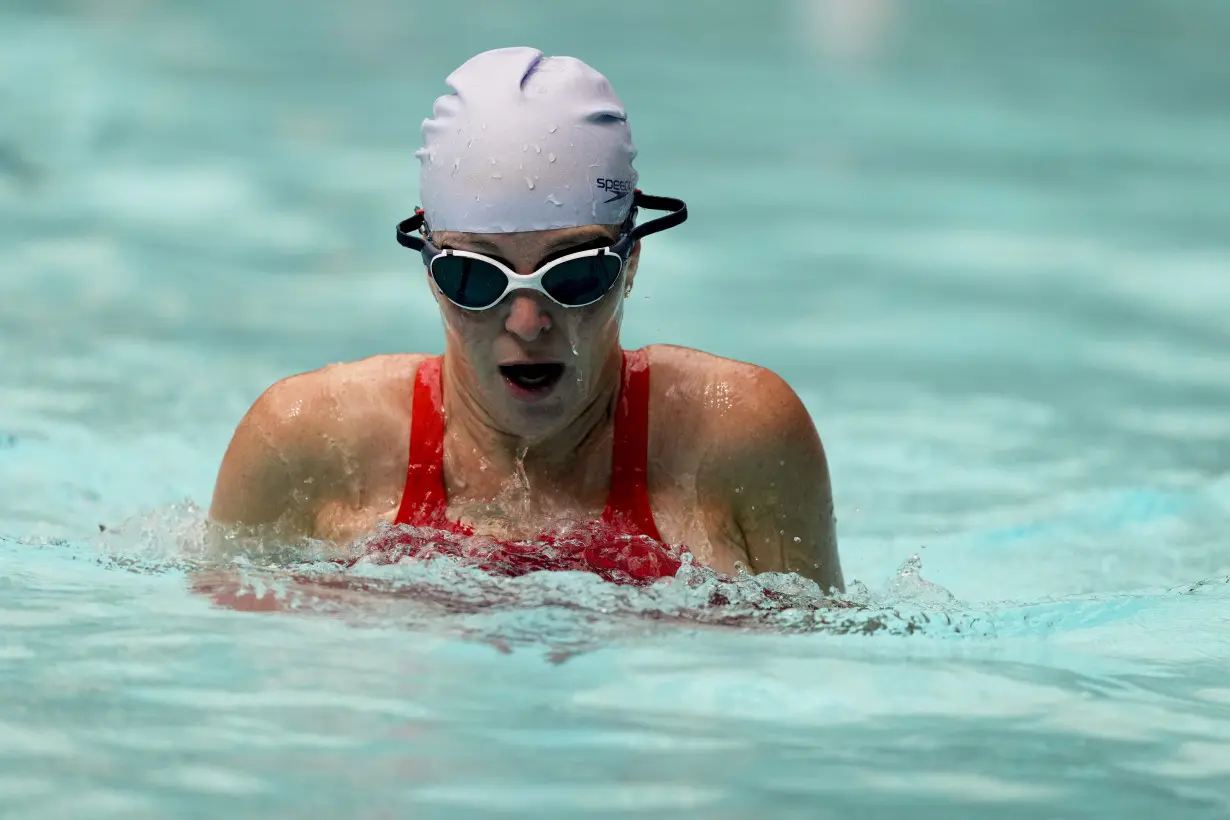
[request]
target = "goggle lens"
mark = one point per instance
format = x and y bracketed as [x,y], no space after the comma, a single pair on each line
[470,283]
[477,284]
[582,281]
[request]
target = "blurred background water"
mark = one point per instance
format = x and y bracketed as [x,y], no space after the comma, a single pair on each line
[986,242]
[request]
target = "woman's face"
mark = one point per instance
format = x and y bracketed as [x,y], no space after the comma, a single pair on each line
[531,363]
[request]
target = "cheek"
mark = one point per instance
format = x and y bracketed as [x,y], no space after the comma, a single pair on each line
[608,309]
[468,321]
[469,328]
[589,330]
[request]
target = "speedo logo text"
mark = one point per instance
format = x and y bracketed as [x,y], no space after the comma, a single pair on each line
[618,188]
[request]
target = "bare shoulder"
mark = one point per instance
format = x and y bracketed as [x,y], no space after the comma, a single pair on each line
[328,399]
[308,427]
[334,410]
[734,399]
[758,459]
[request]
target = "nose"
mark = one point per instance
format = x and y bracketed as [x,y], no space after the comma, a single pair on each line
[527,318]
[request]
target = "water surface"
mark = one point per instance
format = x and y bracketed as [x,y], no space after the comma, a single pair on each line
[985,242]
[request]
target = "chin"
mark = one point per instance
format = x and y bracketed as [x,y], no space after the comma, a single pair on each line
[535,416]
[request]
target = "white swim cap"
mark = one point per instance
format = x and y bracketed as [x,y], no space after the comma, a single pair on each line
[526,143]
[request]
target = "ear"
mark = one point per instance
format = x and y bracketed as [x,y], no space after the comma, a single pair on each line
[634,259]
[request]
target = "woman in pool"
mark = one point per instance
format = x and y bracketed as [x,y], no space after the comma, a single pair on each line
[534,414]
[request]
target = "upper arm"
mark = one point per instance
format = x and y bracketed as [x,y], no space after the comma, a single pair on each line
[778,479]
[267,475]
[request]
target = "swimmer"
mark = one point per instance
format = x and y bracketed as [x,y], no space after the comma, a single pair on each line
[530,231]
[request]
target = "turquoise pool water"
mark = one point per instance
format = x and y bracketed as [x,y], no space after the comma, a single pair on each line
[987,243]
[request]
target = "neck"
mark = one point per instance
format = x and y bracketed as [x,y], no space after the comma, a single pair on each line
[489,460]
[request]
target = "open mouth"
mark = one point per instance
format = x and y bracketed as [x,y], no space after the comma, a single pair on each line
[535,378]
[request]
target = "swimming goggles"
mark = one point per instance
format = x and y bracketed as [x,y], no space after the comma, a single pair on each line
[477,282]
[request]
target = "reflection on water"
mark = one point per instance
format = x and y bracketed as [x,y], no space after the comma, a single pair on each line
[854,32]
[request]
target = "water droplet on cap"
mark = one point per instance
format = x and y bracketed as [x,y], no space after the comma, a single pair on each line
[554,128]
[550,157]
[530,183]
[537,150]
[496,175]
[551,198]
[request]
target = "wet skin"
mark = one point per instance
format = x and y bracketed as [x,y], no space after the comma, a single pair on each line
[737,472]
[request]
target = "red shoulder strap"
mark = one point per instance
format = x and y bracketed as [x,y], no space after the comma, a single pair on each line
[424,500]
[627,504]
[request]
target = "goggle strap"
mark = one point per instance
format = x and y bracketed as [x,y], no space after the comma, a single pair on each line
[678,213]
[408,229]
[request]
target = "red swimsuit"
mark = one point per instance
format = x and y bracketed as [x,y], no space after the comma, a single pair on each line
[624,546]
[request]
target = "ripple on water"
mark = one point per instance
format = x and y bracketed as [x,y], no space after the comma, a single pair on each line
[582,582]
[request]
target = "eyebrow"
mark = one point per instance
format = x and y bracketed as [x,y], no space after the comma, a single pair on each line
[580,243]
[564,247]
[482,246]
[555,250]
